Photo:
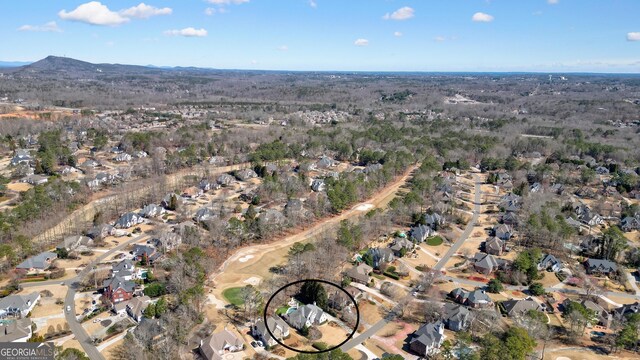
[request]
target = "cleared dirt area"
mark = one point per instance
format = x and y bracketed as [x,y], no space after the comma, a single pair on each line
[19,187]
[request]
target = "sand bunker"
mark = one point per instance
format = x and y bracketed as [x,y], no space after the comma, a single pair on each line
[219,304]
[562,358]
[246,258]
[364,207]
[253,281]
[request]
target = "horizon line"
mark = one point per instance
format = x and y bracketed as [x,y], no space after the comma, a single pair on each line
[405,72]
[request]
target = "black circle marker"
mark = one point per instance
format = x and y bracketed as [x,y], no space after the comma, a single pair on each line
[355,328]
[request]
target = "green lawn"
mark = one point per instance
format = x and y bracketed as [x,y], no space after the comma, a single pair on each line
[233,296]
[282,310]
[435,241]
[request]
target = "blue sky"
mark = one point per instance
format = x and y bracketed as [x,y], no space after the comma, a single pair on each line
[367,35]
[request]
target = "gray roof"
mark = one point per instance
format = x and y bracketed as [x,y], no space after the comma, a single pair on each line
[137,305]
[513,307]
[151,210]
[298,318]
[20,302]
[421,232]
[428,334]
[127,220]
[360,272]
[15,330]
[117,282]
[278,327]
[485,261]
[549,260]
[216,343]
[472,297]
[124,265]
[455,312]
[39,261]
[601,265]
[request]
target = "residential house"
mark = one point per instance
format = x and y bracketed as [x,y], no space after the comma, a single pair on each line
[325,163]
[510,202]
[278,327]
[17,330]
[630,223]
[456,317]
[627,309]
[503,232]
[434,220]
[151,211]
[18,305]
[128,220]
[402,245]
[520,307]
[550,262]
[215,346]
[168,242]
[38,263]
[306,315]
[318,185]
[117,289]
[421,233]
[475,299]
[587,216]
[485,263]
[536,187]
[140,154]
[245,174]
[217,160]
[207,185]
[509,218]
[101,231]
[360,273]
[170,201]
[192,192]
[90,163]
[372,168]
[427,339]
[204,214]
[137,306]
[380,256]
[126,270]
[22,156]
[73,243]
[123,157]
[600,266]
[495,246]
[34,180]
[225,180]
[603,316]
[145,253]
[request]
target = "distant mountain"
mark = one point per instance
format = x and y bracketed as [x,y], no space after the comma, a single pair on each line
[55,66]
[11,64]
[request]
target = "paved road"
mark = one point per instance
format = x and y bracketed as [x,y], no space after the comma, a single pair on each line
[467,231]
[391,316]
[76,327]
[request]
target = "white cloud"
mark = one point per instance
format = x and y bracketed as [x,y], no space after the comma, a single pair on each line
[144,11]
[482,17]
[397,34]
[187,32]
[227,2]
[283,48]
[439,38]
[404,13]
[254,62]
[633,36]
[313,3]
[209,11]
[361,42]
[51,26]
[94,13]
[553,2]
